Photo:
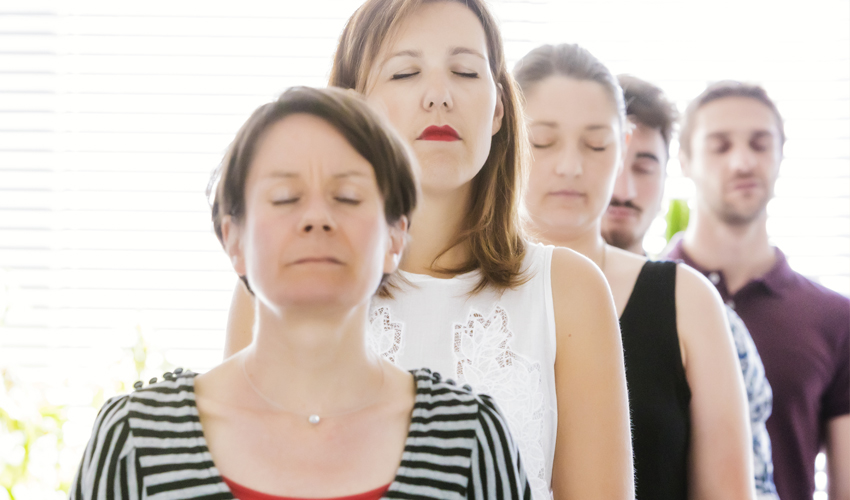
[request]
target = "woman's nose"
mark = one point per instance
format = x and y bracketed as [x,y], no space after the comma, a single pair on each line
[317,216]
[569,162]
[309,227]
[437,95]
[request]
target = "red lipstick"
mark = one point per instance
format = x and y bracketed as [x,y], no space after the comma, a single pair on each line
[434,133]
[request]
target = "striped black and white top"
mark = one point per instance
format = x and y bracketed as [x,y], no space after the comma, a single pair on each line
[150,445]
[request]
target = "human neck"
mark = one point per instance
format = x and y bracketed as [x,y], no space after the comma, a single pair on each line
[637,247]
[588,242]
[437,221]
[312,363]
[741,252]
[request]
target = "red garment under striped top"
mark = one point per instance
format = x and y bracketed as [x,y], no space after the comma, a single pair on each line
[245,493]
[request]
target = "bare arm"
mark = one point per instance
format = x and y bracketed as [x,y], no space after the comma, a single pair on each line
[593,452]
[721,444]
[240,321]
[838,457]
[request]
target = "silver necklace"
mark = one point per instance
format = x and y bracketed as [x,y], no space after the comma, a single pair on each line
[313,418]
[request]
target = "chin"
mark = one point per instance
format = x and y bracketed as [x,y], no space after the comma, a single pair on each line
[743,213]
[619,237]
[442,172]
[314,292]
[316,300]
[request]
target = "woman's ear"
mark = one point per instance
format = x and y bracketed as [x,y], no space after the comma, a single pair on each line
[231,235]
[395,245]
[499,114]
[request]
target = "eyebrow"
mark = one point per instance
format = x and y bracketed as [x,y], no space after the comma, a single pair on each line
[465,50]
[406,53]
[649,156]
[341,175]
[350,173]
[453,52]
[723,134]
[758,134]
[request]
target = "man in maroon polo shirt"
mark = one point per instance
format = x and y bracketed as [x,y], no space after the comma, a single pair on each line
[731,147]
[636,201]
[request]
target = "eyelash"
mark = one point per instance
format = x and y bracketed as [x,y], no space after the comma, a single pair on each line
[349,201]
[402,76]
[289,201]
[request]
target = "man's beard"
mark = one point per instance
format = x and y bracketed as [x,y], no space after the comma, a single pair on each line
[619,238]
[622,238]
[731,215]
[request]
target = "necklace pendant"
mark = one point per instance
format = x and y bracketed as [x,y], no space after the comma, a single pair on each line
[314,419]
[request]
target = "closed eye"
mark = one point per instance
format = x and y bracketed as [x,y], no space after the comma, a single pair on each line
[285,201]
[598,150]
[402,76]
[466,75]
[349,201]
[541,146]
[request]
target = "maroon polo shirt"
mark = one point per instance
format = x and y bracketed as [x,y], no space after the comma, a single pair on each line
[802,332]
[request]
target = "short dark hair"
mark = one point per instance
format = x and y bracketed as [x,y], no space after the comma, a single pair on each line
[348,113]
[719,90]
[648,106]
[572,61]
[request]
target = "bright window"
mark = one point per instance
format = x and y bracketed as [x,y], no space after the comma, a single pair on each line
[113,114]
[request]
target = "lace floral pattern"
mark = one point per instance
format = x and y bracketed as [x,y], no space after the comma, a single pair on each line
[485,359]
[385,335]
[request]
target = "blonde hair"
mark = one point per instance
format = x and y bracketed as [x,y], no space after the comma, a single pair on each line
[492,228]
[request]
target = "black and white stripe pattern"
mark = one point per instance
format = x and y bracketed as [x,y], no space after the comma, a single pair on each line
[150,445]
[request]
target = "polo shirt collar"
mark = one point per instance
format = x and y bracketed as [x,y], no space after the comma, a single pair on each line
[775,280]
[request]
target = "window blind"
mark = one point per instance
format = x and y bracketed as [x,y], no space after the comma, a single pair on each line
[113,115]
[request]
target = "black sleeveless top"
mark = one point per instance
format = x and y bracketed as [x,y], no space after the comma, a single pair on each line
[659,396]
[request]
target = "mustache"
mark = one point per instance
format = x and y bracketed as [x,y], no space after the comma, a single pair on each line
[625,204]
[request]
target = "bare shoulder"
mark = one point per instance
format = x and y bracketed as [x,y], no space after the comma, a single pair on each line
[624,258]
[694,291]
[584,307]
[574,275]
[700,314]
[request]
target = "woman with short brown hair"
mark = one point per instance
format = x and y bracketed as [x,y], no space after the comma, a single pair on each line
[311,205]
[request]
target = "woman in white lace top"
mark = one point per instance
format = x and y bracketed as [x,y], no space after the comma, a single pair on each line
[533,326]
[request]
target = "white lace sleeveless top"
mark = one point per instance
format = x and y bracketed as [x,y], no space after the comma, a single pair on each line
[501,344]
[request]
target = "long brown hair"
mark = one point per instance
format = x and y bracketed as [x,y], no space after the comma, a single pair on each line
[492,228]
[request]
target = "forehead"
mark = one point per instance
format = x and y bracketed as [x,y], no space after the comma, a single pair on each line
[570,102]
[648,139]
[735,115]
[302,142]
[438,26]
